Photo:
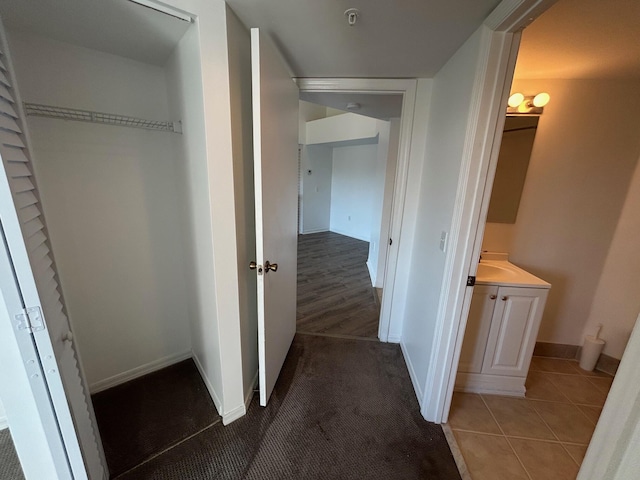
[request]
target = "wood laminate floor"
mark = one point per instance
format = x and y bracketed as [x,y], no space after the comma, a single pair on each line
[335,295]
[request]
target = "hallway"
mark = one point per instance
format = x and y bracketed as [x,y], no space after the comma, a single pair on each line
[341,409]
[335,295]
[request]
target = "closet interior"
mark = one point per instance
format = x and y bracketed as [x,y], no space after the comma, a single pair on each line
[113,109]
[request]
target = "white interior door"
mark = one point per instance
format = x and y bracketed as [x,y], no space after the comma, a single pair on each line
[275,139]
[43,314]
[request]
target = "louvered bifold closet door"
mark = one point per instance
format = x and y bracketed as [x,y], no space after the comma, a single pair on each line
[26,234]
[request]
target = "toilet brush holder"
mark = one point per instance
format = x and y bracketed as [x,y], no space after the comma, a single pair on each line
[590,353]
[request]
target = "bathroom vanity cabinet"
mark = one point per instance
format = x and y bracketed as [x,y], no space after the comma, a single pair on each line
[501,333]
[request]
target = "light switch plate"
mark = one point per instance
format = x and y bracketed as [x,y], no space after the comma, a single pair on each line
[443,241]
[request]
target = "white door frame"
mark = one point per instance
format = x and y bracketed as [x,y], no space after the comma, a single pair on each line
[376,86]
[493,77]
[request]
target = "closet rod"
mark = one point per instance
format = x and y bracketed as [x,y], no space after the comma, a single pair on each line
[38,110]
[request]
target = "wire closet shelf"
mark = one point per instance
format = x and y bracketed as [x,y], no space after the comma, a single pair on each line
[49,111]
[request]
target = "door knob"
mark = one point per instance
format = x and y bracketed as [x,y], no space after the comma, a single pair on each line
[270,266]
[505,298]
[493,297]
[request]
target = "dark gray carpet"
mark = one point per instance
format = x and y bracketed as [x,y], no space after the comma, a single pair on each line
[9,464]
[342,409]
[142,417]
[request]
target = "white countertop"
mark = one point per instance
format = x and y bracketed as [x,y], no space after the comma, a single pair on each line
[506,274]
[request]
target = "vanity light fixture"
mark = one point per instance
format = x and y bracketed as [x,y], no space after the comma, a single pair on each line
[515,100]
[541,99]
[519,104]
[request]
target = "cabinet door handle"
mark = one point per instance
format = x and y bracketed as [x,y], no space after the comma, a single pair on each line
[493,297]
[505,298]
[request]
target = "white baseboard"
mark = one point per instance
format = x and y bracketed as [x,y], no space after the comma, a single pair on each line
[394,339]
[207,383]
[234,414]
[490,384]
[412,374]
[348,234]
[227,417]
[3,423]
[138,372]
[372,274]
[308,231]
[249,395]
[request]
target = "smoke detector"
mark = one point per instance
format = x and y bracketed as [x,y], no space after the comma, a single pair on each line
[352,15]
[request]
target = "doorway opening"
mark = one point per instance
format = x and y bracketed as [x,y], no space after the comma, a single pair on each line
[348,160]
[569,225]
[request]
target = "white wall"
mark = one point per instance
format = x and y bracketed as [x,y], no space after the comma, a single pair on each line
[308,111]
[581,165]
[342,128]
[616,303]
[207,88]
[377,201]
[3,418]
[184,79]
[316,187]
[352,190]
[111,201]
[387,162]
[404,244]
[241,120]
[445,138]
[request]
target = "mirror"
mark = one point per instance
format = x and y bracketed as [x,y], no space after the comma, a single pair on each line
[513,162]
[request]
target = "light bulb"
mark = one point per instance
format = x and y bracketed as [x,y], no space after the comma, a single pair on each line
[515,100]
[541,99]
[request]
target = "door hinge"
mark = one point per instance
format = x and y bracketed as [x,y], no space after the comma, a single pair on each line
[30,320]
[471,281]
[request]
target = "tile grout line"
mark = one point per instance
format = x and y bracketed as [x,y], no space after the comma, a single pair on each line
[476,432]
[598,387]
[520,437]
[156,455]
[577,405]
[506,438]
[555,435]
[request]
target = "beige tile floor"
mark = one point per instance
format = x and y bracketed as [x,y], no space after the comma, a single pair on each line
[542,436]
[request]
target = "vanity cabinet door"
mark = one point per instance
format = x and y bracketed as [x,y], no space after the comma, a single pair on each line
[477,331]
[514,328]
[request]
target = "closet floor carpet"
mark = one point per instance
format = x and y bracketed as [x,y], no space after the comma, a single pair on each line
[335,295]
[145,416]
[341,409]
[10,468]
